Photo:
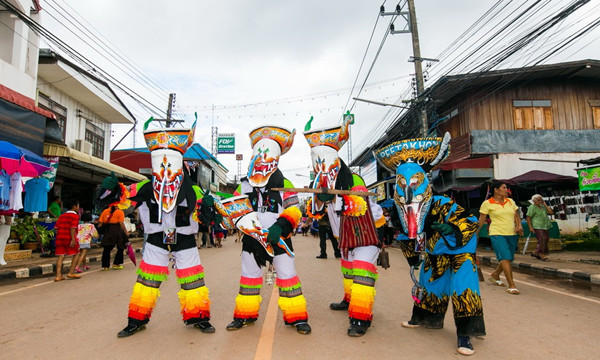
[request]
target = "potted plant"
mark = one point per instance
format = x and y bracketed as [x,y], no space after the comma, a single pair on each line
[31,234]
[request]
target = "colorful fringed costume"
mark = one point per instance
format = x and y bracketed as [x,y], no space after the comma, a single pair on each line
[442,234]
[166,207]
[351,219]
[278,212]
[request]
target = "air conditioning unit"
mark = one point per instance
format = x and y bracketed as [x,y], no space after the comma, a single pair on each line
[83,146]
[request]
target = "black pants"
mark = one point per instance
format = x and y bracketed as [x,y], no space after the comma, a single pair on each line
[324,232]
[106,256]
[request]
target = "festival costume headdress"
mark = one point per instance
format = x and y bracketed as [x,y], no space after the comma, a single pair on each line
[268,144]
[324,146]
[411,160]
[167,146]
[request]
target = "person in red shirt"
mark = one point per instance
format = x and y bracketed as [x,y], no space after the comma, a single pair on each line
[66,239]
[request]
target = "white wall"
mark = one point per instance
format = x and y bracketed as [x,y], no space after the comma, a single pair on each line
[75,128]
[18,51]
[507,166]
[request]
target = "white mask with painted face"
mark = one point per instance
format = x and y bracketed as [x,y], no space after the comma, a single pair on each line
[326,165]
[167,171]
[264,162]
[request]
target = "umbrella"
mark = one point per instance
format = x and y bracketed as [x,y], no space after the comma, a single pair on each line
[131,254]
[17,159]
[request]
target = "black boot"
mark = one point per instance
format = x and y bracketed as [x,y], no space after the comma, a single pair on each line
[342,305]
[322,256]
[205,327]
[358,327]
[303,328]
[237,324]
[130,330]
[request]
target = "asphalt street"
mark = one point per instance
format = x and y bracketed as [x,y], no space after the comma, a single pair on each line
[76,319]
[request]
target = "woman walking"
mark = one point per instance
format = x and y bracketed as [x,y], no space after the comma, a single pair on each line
[115,234]
[539,224]
[503,230]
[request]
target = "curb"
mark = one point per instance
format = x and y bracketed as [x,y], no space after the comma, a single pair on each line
[45,269]
[562,273]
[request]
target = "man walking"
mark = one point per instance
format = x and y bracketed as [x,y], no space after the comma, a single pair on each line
[324,233]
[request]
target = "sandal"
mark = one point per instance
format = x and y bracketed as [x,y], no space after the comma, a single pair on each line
[496,282]
[59,279]
[536,256]
[512,291]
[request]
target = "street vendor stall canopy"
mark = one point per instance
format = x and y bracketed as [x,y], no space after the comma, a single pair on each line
[538,176]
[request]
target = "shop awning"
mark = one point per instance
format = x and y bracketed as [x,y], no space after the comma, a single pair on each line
[90,161]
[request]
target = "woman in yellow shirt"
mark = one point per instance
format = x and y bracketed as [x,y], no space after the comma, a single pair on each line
[503,230]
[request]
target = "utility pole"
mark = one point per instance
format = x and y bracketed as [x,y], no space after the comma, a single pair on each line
[411,19]
[169,120]
[214,135]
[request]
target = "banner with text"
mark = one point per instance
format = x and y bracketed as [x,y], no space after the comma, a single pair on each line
[589,179]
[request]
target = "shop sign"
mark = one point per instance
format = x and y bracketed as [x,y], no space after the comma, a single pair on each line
[226,144]
[589,179]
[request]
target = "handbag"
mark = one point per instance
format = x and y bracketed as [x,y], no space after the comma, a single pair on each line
[102,228]
[384,258]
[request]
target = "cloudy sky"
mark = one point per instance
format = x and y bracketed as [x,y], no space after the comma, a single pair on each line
[241,64]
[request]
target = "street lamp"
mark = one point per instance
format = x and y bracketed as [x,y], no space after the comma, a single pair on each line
[380,103]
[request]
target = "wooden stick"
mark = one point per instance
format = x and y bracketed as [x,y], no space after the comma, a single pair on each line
[326,191]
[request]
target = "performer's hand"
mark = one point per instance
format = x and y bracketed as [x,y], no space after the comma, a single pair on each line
[442,228]
[418,264]
[274,234]
[325,197]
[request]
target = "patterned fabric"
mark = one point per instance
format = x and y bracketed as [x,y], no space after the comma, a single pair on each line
[85,233]
[64,224]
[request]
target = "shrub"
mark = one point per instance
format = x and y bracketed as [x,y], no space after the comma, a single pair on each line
[588,240]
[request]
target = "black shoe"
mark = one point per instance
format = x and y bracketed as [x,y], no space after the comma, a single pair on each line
[303,328]
[205,327]
[130,330]
[342,305]
[464,346]
[337,256]
[357,330]
[322,257]
[237,324]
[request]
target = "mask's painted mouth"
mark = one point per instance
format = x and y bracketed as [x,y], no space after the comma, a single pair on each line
[263,168]
[412,216]
[170,188]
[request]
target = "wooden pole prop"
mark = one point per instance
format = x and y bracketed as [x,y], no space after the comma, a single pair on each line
[326,191]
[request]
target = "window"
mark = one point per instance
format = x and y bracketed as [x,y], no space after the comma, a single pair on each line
[59,111]
[532,115]
[95,136]
[595,104]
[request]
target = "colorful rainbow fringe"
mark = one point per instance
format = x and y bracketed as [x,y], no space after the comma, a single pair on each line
[354,205]
[310,214]
[292,215]
[362,295]
[347,272]
[247,306]
[292,307]
[142,302]
[195,303]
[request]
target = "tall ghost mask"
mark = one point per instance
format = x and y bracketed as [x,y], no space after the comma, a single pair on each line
[268,144]
[411,160]
[324,147]
[167,147]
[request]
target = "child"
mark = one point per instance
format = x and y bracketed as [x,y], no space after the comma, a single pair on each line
[85,232]
[66,239]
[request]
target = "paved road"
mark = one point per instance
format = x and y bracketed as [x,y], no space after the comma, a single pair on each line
[79,319]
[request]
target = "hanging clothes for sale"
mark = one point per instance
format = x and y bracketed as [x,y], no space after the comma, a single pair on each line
[36,195]
[16,192]
[4,190]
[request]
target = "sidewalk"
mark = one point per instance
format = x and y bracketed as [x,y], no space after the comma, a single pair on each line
[579,265]
[37,265]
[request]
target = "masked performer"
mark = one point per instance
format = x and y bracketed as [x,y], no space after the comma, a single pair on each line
[443,233]
[351,222]
[166,208]
[277,211]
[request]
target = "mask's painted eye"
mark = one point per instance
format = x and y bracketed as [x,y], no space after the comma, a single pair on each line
[414,182]
[419,197]
[400,180]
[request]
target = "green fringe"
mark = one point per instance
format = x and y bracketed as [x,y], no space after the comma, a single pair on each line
[153,277]
[190,279]
[365,273]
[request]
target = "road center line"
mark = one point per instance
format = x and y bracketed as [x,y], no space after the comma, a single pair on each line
[555,291]
[264,349]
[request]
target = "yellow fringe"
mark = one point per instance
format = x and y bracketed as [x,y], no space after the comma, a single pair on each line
[194,300]
[143,296]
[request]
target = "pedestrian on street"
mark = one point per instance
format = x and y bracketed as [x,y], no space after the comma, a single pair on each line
[115,235]
[86,231]
[324,233]
[539,224]
[503,230]
[55,207]
[66,239]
